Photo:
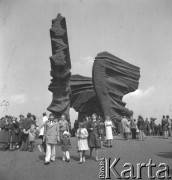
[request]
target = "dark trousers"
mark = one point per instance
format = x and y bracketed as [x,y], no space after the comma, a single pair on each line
[43,143]
[25,142]
[31,144]
[125,136]
[133,133]
[20,138]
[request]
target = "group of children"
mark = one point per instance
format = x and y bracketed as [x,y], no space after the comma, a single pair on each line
[82,143]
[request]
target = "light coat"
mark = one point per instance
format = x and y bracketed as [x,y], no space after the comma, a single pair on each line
[51,132]
[125,125]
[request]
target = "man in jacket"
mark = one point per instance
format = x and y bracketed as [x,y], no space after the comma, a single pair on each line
[51,136]
[25,125]
[125,127]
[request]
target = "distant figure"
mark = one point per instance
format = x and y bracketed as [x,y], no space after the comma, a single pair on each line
[51,136]
[133,126]
[169,126]
[4,134]
[164,123]
[14,134]
[125,128]
[108,127]
[102,131]
[65,146]
[20,130]
[82,142]
[141,127]
[147,127]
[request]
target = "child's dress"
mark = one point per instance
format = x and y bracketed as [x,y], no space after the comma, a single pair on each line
[65,144]
[82,135]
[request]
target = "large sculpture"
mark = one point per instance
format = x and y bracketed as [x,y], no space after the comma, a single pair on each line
[112,79]
[60,67]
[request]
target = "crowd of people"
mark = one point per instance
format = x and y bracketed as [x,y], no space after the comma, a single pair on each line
[92,133]
[20,133]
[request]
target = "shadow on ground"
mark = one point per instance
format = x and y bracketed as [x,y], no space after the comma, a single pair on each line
[165,155]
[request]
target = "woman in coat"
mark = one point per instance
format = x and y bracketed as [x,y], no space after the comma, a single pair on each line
[108,126]
[14,139]
[102,131]
[51,136]
[165,124]
[94,136]
[2,132]
[141,127]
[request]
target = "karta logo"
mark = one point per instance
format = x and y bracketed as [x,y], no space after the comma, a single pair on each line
[108,170]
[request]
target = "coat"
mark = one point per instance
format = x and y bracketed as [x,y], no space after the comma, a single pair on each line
[51,132]
[15,132]
[141,124]
[26,123]
[32,134]
[65,144]
[125,125]
[94,135]
[5,132]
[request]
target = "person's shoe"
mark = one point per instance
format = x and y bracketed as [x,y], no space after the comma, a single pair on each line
[67,160]
[80,161]
[83,159]
[52,160]
[46,163]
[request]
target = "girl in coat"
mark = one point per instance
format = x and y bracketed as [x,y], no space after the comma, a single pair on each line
[14,140]
[32,137]
[82,135]
[65,146]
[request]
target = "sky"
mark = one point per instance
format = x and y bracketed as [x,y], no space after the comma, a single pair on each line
[137,31]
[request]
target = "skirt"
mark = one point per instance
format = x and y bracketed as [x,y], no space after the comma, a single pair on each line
[82,145]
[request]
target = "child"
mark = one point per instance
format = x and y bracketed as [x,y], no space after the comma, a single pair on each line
[82,142]
[32,136]
[65,146]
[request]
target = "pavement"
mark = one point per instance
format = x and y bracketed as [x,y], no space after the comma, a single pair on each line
[18,165]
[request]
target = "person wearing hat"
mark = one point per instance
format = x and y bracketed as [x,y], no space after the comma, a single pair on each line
[65,146]
[51,136]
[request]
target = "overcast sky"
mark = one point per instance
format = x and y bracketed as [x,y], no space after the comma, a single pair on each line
[137,31]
